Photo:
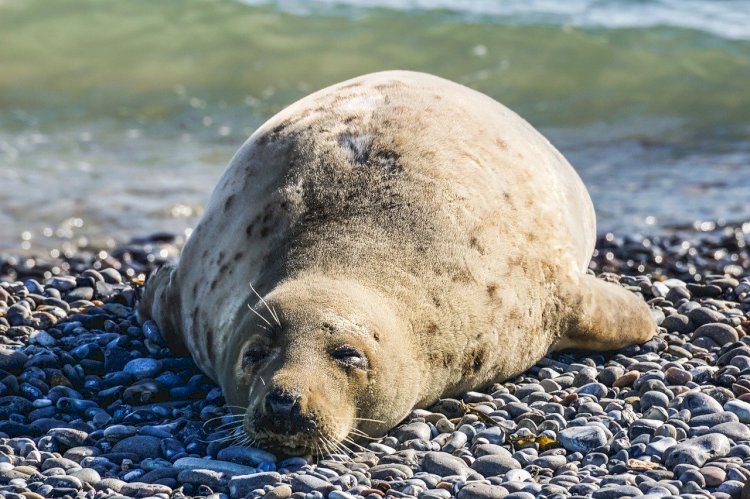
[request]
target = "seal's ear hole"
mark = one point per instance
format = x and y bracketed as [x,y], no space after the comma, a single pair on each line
[253,355]
[349,356]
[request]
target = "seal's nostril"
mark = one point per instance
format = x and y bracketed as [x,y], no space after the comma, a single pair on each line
[281,403]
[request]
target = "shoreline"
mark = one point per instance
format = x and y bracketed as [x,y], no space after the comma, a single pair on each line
[92,402]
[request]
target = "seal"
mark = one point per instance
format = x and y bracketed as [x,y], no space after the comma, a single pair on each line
[381,244]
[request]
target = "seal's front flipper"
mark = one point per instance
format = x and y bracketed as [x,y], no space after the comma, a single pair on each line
[603,316]
[160,304]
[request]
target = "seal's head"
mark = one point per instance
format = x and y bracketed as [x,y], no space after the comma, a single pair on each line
[319,363]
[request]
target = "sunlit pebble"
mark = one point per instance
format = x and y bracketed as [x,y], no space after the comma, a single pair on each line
[134,133]
[48,232]
[641,268]
[82,242]
[609,256]
[181,210]
[163,253]
[26,235]
[658,259]
[207,121]
[479,51]
[609,237]
[102,255]
[650,220]
[55,253]
[224,131]
[130,272]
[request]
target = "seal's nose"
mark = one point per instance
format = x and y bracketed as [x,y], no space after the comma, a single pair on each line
[282,404]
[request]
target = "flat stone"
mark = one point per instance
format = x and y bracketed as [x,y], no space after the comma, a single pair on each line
[144,446]
[699,403]
[626,379]
[722,334]
[740,408]
[246,455]
[443,464]
[738,432]
[697,451]
[582,438]
[310,483]
[210,478]
[713,475]
[482,491]
[617,492]
[242,485]
[192,463]
[87,475]
[143,367]
[140,489]
[494,465]
[411,431]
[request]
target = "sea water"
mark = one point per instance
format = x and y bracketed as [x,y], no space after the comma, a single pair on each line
[118,117]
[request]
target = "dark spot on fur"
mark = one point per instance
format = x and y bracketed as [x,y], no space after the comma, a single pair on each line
[220,257]
[492,289]
[461,275]
[214,283]
[356,148]
[238,255]
[267,215]
[228,202]
[376,336]
[195,290]
[195,314]
[475,361]
[249,230]
[328,328]
[432,328]
[204,255]
[224,268]
[209,343]
[265,231]
[501,143]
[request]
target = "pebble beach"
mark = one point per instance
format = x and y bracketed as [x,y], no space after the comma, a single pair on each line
[94,404]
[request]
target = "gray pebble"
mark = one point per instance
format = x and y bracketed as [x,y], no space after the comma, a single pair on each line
[697,451]
[582,438]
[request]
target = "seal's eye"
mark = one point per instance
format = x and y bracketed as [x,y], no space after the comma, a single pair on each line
[253,355]
[349,356]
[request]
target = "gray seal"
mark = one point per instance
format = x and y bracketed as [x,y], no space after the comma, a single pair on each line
[381,244]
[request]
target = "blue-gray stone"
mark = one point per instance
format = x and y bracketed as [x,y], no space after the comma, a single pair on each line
[143,368]
[582,438]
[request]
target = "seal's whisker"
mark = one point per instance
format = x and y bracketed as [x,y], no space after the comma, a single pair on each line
[264,302]
[361,434]
[259,315]
[355,444]
[370,420]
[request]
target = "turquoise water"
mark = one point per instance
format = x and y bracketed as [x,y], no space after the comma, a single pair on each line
[116,118]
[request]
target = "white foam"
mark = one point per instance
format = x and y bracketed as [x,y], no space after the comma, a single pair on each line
[724,18]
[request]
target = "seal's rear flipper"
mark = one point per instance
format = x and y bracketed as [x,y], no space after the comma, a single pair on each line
[161,304]
[603,316]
